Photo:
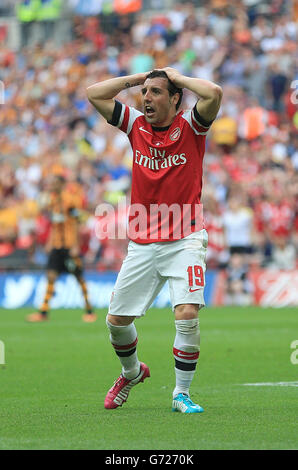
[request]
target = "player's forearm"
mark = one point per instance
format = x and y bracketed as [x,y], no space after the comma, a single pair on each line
[108,89]
[204,89]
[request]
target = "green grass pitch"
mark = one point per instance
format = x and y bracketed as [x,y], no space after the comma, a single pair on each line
[56,375]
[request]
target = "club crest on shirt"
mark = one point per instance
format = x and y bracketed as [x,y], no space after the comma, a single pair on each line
[175,134]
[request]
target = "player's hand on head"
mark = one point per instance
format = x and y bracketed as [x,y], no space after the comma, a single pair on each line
[143,76]
[173,75]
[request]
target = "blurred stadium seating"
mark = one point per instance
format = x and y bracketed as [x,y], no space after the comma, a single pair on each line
[47,126]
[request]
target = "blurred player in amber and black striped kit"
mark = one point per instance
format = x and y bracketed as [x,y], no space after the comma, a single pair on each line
[62,206]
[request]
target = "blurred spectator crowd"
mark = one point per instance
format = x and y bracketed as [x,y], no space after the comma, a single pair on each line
[48,127]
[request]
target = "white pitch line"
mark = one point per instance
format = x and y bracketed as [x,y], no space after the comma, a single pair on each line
[273,384]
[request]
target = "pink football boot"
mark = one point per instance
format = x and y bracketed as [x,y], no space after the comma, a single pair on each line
[118,394]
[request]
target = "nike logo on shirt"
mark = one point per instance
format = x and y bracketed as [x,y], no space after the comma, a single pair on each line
[144,130]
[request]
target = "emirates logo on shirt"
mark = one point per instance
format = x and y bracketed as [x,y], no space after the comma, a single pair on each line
[158,159]
[175,134]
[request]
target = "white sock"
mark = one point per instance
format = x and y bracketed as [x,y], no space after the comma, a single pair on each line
[183,381]
[124,340]
[186,353]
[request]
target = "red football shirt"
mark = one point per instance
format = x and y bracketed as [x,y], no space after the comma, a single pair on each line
[166,174]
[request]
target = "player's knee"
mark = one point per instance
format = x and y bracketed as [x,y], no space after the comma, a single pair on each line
[186,311]
[119,320]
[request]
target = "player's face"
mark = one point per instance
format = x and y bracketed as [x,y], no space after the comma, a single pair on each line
[159,106]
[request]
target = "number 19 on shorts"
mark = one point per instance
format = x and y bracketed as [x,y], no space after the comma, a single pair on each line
[195,277]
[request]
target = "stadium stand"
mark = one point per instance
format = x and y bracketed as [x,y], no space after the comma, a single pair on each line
[47,126]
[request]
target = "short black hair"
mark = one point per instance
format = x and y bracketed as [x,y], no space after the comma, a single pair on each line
[171,87]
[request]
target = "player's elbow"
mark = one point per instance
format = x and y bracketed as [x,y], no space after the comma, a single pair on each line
[90,94]
[217,92]
[94,93]
[216,95]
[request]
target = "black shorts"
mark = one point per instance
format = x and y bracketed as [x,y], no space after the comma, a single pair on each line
[60,261]
[241,250]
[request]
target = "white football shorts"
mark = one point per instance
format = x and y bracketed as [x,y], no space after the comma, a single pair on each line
[147,267]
